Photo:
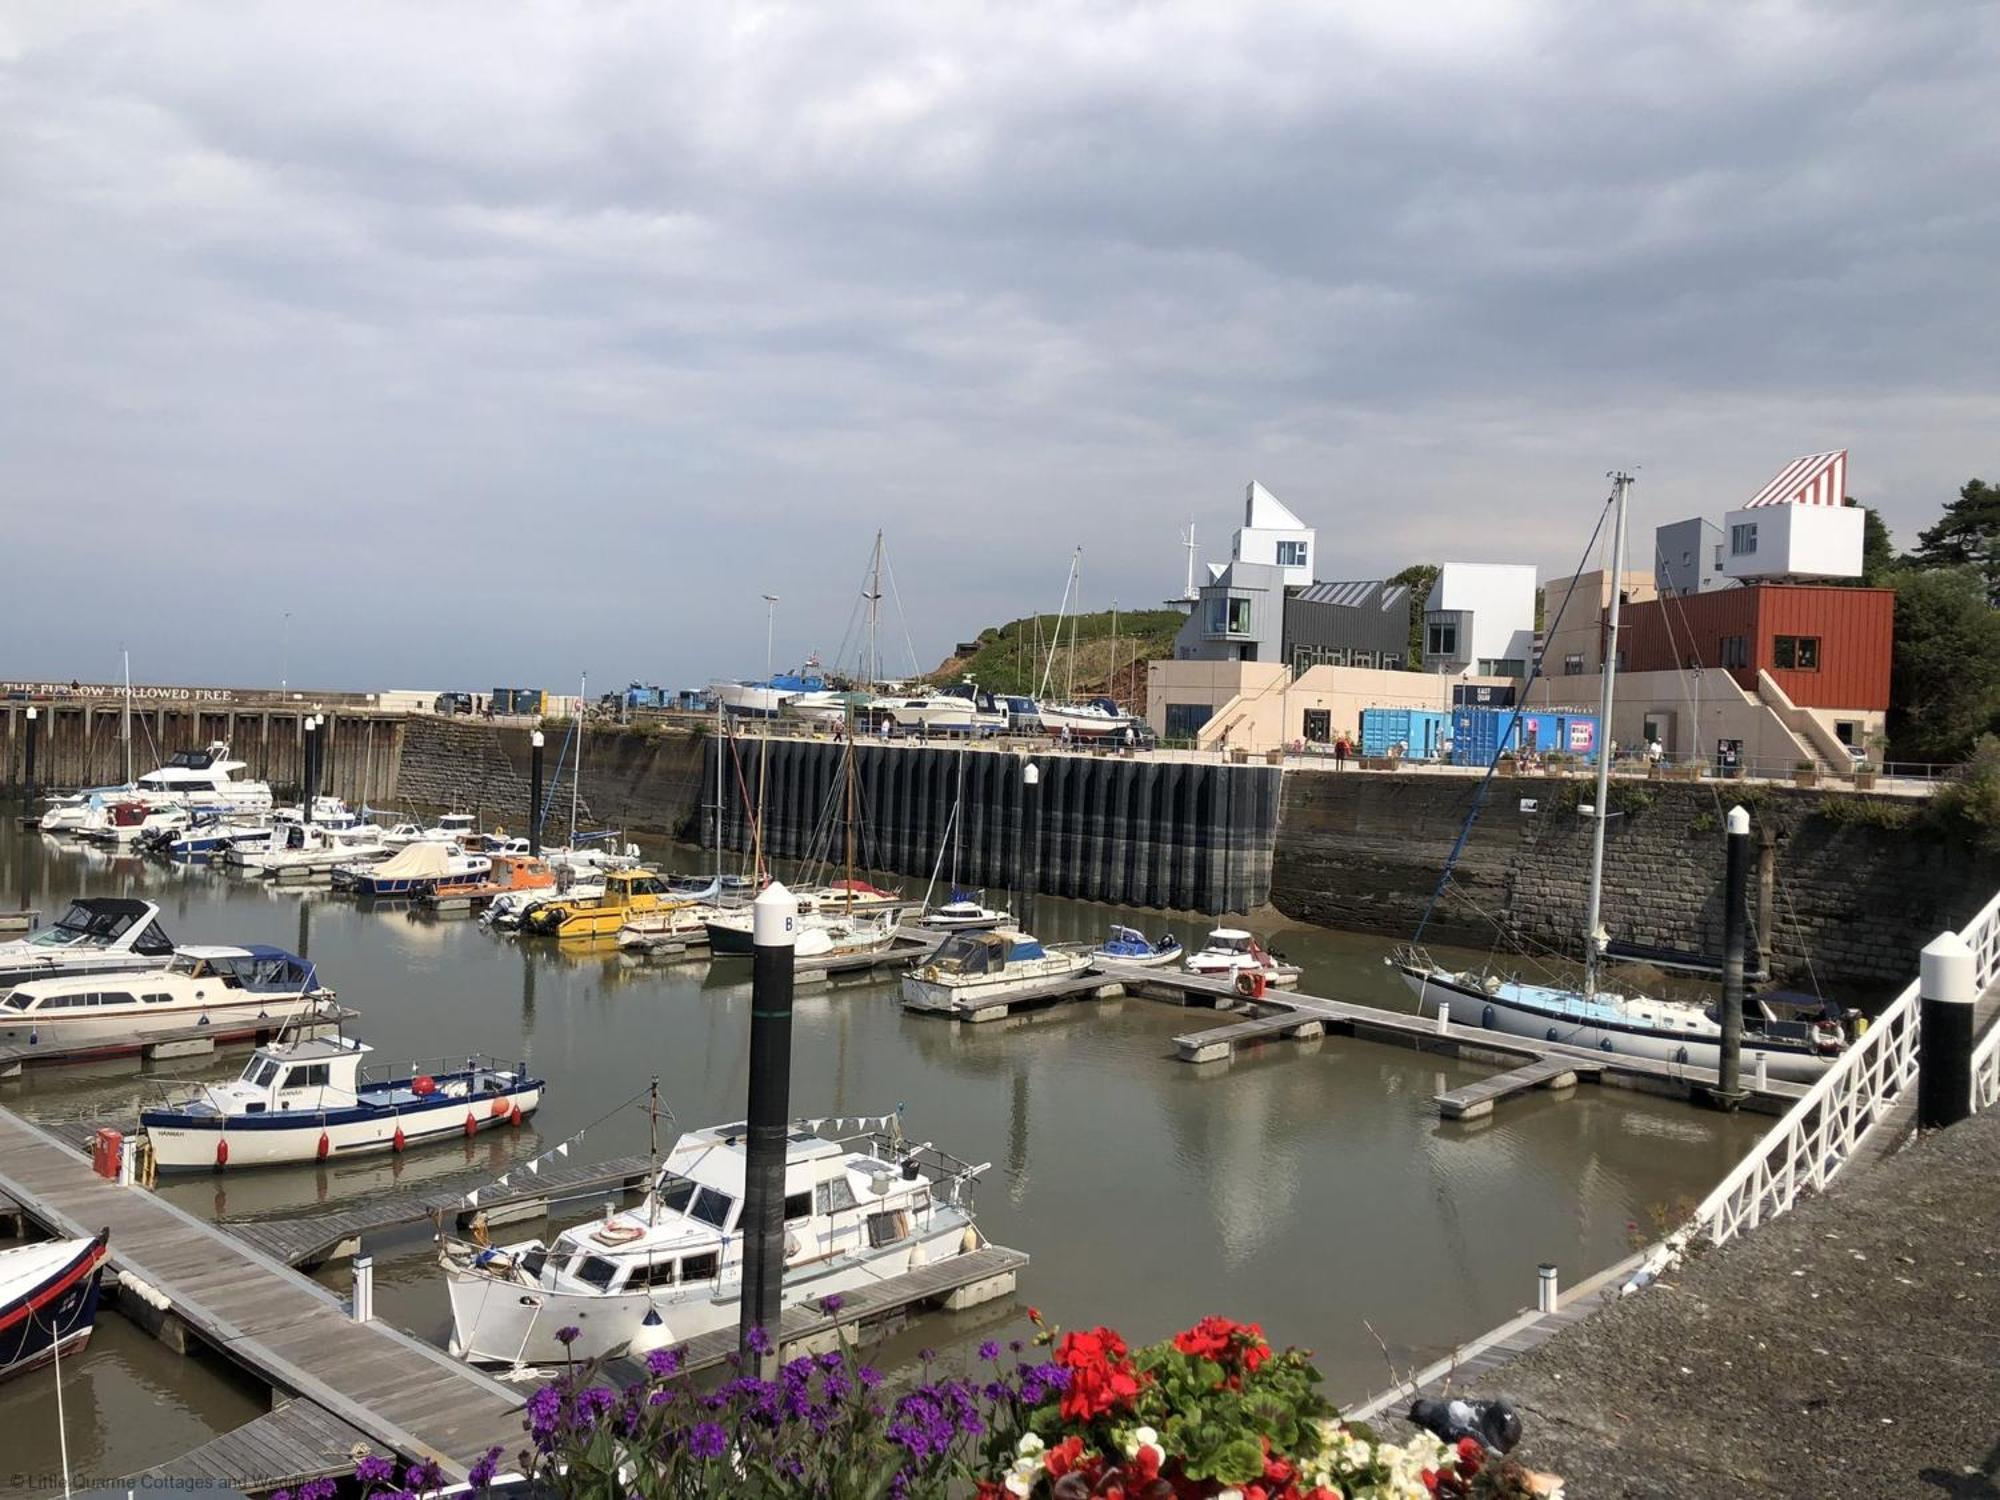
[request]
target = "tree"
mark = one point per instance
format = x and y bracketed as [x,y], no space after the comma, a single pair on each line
[1421,578]
[1878,548]
[1945,683]
[1968,535]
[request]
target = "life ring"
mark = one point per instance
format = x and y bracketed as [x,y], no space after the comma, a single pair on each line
[616,1234]
[1250,983]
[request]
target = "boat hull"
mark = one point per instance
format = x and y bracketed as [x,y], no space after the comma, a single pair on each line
[960,991]
[499,1321]
[54,1315]
[130,1031]
[1471,1006]
[185,1143]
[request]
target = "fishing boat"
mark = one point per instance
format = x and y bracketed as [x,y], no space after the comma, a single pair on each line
[1593,1015]
[94,935]
[411,870]
[1230,951]
[859,1209]
[310,849]
[975,967]
[48,1300]
[508,910]
[1128,945]
[225,992]
[301,1101]
[510,873]
[965,910]
[626,893]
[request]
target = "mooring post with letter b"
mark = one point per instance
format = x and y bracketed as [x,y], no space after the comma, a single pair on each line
[1735,888]
[774,931]
[535,794]
[1947,986]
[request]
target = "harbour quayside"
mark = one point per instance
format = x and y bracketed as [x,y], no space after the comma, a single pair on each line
[859,1208]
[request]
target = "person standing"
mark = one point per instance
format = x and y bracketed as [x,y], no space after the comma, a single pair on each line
[1340,753]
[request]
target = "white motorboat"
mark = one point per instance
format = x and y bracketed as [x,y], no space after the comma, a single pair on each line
[753,699]
[1099,719]
[236,991]
[126,820]
[310,1100]
[970,968]
[1128,945]
[208,838]
[411,870]
[859,1209]
[1230,952]
[964,911]
[94,935]
[194,781]
[309,849]
[940,713]
[65,814]
[452,828]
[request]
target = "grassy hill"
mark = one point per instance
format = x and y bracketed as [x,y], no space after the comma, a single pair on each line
[1011,658]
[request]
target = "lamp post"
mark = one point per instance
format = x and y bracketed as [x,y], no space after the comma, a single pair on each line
[770,625]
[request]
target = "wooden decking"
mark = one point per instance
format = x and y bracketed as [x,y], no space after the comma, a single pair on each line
[403,1394]
[287,1446]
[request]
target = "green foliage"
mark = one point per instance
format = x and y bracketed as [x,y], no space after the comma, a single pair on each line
[1968,535]
[1011,657]
[1631,797]
[1945,688]
[1851,811]
[1970,805]
[1421,577]
[1878,548]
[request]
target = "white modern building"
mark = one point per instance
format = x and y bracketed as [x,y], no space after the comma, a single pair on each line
[1480,620]
[1273,536]
[1798,526]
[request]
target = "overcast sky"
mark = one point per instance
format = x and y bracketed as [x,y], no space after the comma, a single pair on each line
[501,342]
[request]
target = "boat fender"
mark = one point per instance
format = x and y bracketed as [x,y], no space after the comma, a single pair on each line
[325,1146]
[221,1154]
[1552,1034]
[792,1247]
[424,1086]
[1604,1045]
[1492,984]
[1486,1017]
[916,1255]
[396,1140]
[1681,1056]
[471,1124]
[651,1334]
[500,1108]
[969,1241]
[514,1115]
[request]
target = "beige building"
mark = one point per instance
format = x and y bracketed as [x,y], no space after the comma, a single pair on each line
[1258,706]
[1575,646]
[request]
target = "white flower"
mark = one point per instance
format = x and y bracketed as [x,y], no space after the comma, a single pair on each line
[1229,1495]
[1030,1445]
[1145,1436]
[1019,1484]
[1426,1449]
[1355,1453]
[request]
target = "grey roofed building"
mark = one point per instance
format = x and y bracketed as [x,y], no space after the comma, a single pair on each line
[1362,624]
[1238,615]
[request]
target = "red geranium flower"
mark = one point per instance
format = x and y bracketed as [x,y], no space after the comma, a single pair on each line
[1101,1375]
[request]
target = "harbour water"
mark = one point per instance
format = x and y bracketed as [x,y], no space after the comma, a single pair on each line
[1310,1187]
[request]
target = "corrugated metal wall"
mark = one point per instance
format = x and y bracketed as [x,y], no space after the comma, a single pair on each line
[1855,628]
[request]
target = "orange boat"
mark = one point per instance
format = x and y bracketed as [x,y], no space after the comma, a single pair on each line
[510,872]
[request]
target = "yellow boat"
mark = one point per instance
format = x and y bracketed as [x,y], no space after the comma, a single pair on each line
[627,894]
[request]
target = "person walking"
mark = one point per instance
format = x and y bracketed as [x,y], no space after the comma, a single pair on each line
[1340,753]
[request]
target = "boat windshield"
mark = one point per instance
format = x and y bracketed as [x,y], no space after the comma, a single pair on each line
[84,925]
[19,1000]
[1230,942]
[260,1071]
[190,760]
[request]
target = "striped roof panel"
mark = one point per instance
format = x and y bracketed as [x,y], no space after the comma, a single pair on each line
[1382,596]
[1815,479]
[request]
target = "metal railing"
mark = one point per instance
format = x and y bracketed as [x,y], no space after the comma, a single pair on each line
[1818,1136]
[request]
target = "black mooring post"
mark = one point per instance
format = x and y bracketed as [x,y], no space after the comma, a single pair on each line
[1031,852]
[1735,887]
[774,931]
[535,793]
[28,762]
[1947,991]
[306,729]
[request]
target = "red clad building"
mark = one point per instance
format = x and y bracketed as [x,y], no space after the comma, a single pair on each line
[1825,645]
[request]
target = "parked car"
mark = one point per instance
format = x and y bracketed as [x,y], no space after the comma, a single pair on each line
[452,703]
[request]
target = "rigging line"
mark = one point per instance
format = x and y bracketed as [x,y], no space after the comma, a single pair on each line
[582,1130]
[1486,781]
[896,594]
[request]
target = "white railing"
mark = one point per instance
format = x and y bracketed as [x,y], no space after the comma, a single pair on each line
[1982,935]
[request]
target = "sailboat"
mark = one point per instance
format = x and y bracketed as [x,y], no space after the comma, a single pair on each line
[1095,718]
[1628,1023]
[965,909]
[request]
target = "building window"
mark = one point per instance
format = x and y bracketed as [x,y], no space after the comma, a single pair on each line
[1501,666]
[1228,615]
[1573,664]
[1184,720]
[1441,640]
[1239,616]
[1291,554]
[1743,539]
[1319,725]
[1795,653]
[1218,614]
[1735,651]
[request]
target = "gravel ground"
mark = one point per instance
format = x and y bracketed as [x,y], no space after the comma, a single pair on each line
[1851,1348]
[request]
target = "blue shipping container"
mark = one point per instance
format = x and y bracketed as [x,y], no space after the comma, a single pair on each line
[1421,731]
[1479,736]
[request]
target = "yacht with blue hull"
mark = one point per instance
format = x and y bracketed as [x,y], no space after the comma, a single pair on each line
[1128,945]
[310,1100]
[48,1300]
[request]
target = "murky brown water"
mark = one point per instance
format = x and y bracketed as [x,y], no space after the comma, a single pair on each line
[1309,1187]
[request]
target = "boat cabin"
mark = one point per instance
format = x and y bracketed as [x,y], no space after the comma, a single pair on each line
[257,967]
[1231,940]
[459,826]
[986,952]
[103,922]
[311,1075]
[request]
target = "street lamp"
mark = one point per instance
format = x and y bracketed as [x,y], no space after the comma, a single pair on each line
[770,624]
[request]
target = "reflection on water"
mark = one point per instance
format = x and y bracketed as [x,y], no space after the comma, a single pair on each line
[1307,1186]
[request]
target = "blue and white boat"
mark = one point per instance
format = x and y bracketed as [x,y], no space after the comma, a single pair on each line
[210,837]
[1128,945]
[48,1300]
[411,871]
[310,1100]
[752,699]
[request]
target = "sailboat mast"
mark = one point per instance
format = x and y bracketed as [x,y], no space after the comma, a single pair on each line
[957,807]
[1622,488]
[576,781]
[126,726]
[1075,623]
[1112,682]
[875,614]
[850,825]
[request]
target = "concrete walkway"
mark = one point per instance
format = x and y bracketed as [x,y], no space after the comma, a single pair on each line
[1850,1348]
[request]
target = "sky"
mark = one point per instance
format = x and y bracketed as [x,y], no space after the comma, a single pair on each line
[497,344]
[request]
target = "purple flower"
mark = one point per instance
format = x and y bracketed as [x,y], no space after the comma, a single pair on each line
[322,1489]
[660,1398]
[832,1303]
[544,1412]
[382,1470]
[708,1440]
[759,1341]
[568,1336]
[423,1475]
[592,1404]
[281,1495]
[481,1473]
[1015,1345]
[664,1362]
[869,1376]
[989,1350]
[925,1356]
